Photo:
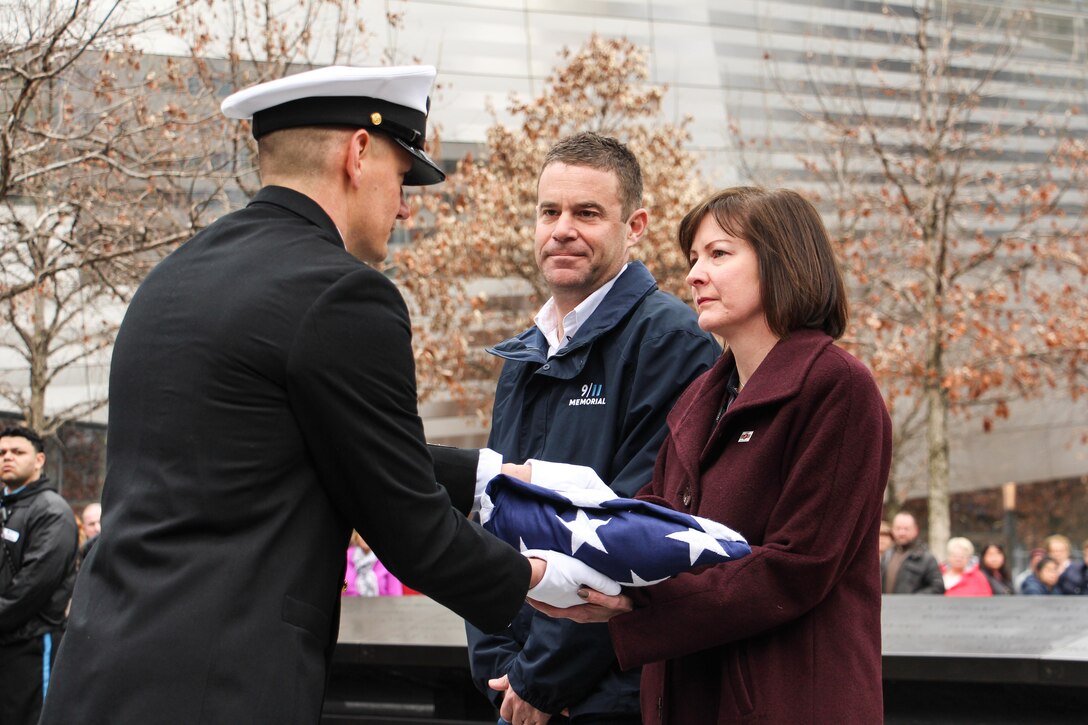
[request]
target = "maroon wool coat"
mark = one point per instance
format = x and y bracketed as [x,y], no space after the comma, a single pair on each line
[791,633]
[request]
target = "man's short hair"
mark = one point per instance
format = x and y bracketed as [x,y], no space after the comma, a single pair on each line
[800,282]
[603,153]
[20,431]
[301,151]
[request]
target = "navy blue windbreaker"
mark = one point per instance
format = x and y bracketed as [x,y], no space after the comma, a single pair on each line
[601,402]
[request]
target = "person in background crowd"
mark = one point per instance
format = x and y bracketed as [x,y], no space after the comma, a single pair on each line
[371,578]
[962,577]
[995,567]
[359,577]
[886,540]
[90,522]
[787,439]
[1035,557]
[37,572]
[1044,580]
[908,567]
[1074,580]
[1060,549]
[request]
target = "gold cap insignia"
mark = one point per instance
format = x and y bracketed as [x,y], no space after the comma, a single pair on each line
[376,118]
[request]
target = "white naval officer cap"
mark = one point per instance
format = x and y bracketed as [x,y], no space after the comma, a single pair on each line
[393,100]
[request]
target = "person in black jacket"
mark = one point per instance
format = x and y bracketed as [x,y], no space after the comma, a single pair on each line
[263,404]
[591,384]
[1074,580]
[37,571]
[908,567]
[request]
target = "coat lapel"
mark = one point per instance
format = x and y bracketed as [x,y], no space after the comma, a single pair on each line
[692,420]
[779,377]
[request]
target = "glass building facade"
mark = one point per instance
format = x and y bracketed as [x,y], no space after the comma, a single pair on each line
[719,59]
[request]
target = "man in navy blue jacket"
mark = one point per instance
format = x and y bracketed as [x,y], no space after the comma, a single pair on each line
[590,384]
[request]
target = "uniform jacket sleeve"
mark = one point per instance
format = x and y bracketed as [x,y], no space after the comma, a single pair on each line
[351,383]
[51,545]
[830,497]
[544,672]
[455,471]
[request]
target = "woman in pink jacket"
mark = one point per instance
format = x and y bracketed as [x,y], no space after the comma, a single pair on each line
[787,440]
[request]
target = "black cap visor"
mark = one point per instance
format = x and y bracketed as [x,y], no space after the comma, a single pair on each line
[424,172]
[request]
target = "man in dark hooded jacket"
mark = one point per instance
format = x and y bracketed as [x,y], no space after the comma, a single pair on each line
[37,572]
[591,383]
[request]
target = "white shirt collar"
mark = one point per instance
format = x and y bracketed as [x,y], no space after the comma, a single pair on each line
[548,323]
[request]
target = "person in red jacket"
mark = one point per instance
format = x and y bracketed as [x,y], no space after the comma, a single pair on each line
[788,441]
[962,577]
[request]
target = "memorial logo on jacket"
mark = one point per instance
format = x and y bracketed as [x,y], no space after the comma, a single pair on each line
[636,543]
[590,394]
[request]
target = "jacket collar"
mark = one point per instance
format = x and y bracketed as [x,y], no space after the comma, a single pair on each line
[913,550]
[31,489]
[779,377]
[630,288]
[298,203]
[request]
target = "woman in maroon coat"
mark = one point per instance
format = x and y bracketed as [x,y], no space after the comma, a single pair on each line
[787,440]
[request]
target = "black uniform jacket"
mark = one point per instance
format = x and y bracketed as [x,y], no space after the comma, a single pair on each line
[262,403]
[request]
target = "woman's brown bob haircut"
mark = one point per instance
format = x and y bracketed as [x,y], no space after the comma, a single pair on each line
[799,279]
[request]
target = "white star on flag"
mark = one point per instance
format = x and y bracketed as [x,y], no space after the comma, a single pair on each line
[637,581]
[698,542]
[632,545]
[584,531]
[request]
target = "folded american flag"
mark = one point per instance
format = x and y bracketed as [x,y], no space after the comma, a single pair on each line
[633,542]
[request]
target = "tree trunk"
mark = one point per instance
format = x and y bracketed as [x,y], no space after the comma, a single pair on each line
[935,395]
[936,242]
[937,460]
